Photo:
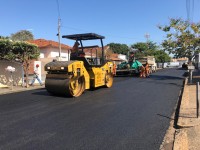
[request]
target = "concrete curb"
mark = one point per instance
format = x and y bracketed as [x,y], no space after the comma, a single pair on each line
[182,122]
[188,132]
[7,90]
[187,113]
[180,137]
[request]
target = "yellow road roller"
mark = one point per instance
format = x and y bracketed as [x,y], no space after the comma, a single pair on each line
[81,72]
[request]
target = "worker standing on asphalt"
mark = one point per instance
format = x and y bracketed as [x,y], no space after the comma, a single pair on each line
[142,72]
[114,68]
[147,69]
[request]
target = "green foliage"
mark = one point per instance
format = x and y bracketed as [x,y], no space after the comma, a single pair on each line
[140,46]
[25,51]
[22,35]
[119,48]
[6,49]
[3,37]
[161,56]
[182,38]
[143,49]
[19,51]
[150,49]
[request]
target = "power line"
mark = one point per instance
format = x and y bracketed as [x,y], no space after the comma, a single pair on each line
[58,7]
[115,36]
[190,10]
[72,28]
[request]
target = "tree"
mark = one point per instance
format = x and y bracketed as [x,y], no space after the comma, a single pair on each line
[22,52]
[4,37]
[22,35]
[119,48]
[6,50]
[140,46]
[182,38]
[144,49]
[25,52]
[150,49]
[161,56]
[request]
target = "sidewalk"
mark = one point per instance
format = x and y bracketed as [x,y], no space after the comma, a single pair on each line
[14,89]
[188,132]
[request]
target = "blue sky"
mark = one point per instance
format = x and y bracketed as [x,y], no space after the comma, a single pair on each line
[120,21]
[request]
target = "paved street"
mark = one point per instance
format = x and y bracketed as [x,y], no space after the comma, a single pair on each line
[133,114]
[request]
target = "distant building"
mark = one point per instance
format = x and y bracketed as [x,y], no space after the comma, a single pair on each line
[180,61]
[50,49]
[117,58]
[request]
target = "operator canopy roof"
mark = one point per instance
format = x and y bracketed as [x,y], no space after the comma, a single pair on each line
[85,36]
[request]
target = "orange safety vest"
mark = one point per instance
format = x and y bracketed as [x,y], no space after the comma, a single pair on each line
[114,69]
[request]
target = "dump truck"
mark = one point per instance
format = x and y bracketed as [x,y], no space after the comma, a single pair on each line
[150,60]
[73,77]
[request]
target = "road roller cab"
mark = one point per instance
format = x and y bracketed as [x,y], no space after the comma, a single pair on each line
[82,72]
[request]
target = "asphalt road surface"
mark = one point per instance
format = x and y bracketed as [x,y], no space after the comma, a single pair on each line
[133,114]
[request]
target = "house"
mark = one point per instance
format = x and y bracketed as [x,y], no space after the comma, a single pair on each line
[50,49]
[117,58]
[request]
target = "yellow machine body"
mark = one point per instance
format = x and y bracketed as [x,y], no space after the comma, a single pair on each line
[72,77]
[98,74]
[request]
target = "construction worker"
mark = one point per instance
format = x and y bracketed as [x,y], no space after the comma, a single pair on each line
[114,68]
[75,47]
[142,71]
[147,70]
[36,76]
[74,50]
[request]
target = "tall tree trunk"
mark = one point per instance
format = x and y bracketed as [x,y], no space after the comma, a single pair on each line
[26,70]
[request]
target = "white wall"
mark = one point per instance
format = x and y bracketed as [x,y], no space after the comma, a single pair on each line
[56,54]
[123,57]
[41,55]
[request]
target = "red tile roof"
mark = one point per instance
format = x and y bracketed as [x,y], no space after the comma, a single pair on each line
[42,43]
[114,55]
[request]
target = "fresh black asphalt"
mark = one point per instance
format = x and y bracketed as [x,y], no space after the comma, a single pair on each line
[133,114]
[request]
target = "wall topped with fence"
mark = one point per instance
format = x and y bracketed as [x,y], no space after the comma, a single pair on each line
[7,76]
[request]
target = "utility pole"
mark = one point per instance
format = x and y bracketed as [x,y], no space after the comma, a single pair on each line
[147,36]
[59,20]
[59,39]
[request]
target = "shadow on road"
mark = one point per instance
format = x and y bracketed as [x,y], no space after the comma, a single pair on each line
[165,116]
[46,93]
[164,77]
